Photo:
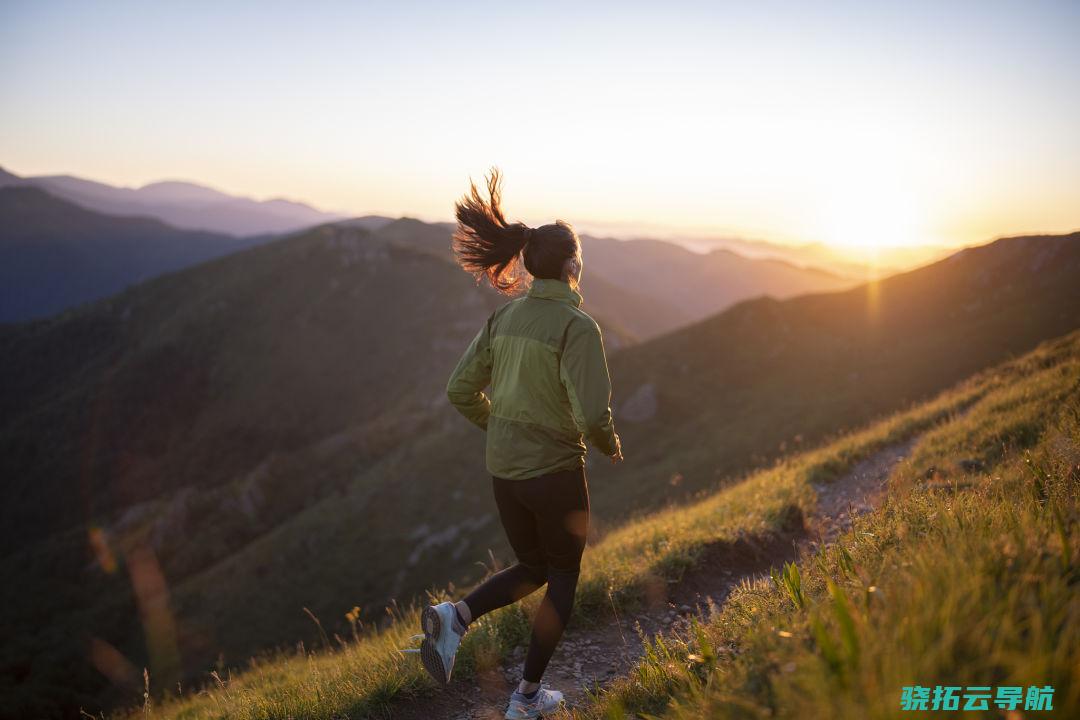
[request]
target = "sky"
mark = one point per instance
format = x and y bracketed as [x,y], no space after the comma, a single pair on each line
[857,124]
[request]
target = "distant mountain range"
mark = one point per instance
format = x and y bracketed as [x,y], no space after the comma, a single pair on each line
[56,253]
[685,286]
[851,265]
[891,260]
[272,426]
[185,205]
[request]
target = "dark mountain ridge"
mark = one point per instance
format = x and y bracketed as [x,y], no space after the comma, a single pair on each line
[55,254]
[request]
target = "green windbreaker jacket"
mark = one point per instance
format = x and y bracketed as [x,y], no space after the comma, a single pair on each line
[550,389]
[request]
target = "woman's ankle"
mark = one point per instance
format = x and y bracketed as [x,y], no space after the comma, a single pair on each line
[463,615]
[528,688]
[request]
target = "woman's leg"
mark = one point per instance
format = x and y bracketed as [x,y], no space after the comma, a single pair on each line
[525,576]
[560,502]
[546,521]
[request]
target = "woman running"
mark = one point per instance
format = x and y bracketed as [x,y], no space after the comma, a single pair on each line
[550,390]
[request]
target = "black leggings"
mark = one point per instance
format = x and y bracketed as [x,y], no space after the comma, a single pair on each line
[546,519]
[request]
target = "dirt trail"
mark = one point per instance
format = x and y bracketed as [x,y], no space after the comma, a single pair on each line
[590,657]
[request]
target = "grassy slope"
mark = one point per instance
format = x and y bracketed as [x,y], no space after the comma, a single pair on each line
[967,576]
[1014,403]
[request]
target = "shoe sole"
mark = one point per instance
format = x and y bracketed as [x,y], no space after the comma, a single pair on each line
[431,623]
[429,656]
[562,706]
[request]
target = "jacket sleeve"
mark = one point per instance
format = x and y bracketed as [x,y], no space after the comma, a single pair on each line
[465,388]
[584,373]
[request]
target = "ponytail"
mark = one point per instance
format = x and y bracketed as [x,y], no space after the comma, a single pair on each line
[484,243]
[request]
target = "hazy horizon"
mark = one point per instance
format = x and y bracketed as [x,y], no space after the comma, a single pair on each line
[856,126]
[818,253]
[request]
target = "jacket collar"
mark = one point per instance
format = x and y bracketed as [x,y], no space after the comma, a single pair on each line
[550,289]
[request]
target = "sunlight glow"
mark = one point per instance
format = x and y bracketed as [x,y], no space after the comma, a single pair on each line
[864,127]
[866,218]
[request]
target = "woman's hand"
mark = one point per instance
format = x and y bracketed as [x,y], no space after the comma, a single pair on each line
[617,457]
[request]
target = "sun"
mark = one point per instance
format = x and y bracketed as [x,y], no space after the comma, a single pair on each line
[865,219]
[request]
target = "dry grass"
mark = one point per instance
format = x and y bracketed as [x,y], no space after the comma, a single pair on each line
[966,576]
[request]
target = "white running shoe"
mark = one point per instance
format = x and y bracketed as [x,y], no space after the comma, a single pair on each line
[545,701]
[441,640]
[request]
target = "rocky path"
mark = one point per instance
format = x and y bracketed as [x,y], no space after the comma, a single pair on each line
[590,657]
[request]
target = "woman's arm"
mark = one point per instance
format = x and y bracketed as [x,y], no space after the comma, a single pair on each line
[465,388]
[584,373]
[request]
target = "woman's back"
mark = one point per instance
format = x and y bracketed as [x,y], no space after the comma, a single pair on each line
[544,359]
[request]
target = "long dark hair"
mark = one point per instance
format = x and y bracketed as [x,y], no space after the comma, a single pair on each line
[488,246]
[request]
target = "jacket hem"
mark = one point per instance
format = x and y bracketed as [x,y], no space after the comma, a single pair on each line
[526,475]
